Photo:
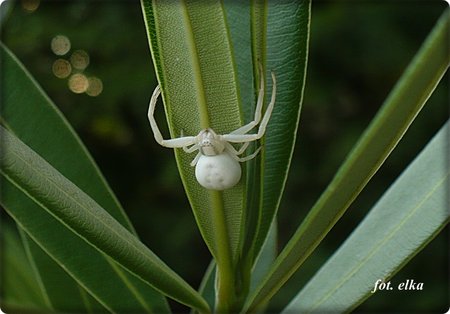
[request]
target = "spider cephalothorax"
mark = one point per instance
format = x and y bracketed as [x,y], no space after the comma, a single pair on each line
[209,143]
[217,161]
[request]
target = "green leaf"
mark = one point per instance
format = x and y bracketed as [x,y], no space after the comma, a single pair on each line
[408,216]
[56,283]
[257,40]
[191,52]
[266,257]
[276,35]
[192,57]
[20,289]
[5,10]
[399,110]
[287,52]
[69,207]
[35,120]
[207,288]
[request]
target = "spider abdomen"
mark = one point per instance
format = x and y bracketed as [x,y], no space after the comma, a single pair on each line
[218,172]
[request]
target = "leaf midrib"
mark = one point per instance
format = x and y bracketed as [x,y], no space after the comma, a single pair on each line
[198,82]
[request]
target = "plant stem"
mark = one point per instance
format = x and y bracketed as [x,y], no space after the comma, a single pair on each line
[225,294]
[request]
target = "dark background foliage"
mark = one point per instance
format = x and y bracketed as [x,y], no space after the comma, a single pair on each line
[358,50]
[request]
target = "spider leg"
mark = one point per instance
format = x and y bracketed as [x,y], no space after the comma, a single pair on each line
[242,149]
[230,148]
[242,138]
[195,160]
[251,156]
[235,153]
[186,148]
[246,128]
[171,143]
[190,149]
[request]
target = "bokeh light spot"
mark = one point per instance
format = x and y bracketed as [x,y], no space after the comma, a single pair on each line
[60,45]
[30,5]
[79,59]
[78,83]
[61,68]
[95,87]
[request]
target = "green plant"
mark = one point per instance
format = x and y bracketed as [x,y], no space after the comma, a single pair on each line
[205,64]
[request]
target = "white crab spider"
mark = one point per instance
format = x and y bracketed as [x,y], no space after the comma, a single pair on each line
[217,161]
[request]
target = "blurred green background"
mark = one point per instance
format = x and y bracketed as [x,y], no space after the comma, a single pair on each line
[357,52]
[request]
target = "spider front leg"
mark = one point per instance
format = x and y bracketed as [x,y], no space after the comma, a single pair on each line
[171,143]
[246,128]
[243,138]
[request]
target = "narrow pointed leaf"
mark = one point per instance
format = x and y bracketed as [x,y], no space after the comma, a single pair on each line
[56,282]
[408,216]
[27,173]
[266,256]
[20,288]
[287,52]
[399,110]
[89,269]
[191,53]
[35,120]
[274,34]
[207,285]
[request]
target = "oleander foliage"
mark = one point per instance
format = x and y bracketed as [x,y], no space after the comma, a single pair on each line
[77,250]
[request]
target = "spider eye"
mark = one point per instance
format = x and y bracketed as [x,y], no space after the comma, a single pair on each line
[207,138]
